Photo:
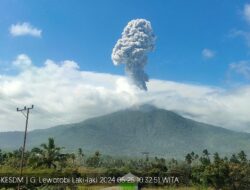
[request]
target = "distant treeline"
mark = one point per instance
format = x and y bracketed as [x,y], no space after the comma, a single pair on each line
[202,170]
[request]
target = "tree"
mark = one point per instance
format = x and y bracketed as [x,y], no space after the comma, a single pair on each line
[95,160]
[191,157]
[242,156]
[73,157]
[80,152]
[234,159]
[13,158]
[47,155]
[239,172]
[217,173]
[188,158]
[204,159]
[97,154]
[80,156]
[1,157]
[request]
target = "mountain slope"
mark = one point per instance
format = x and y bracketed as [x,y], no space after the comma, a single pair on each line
[135,130]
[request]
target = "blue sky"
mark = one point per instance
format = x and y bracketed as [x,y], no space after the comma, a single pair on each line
[86,31]
[56,54]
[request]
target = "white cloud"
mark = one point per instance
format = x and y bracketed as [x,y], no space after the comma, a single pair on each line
[207,53]
[22,61]
[62,93]
[241,68]
[25,28]
[240,33]
[246,12]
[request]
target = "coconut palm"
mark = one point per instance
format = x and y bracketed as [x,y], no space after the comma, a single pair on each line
[80,156]
[48,154]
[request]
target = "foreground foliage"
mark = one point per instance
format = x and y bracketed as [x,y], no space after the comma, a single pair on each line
[203,171]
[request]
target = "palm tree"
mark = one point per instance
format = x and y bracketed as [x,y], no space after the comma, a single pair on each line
[80,152]
[73,157]
[80,155]
[206,153]
[48,154]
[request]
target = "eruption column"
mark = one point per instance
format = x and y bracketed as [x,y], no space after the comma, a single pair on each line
[132,48]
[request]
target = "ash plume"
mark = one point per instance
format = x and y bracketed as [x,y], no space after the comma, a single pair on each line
[132,48]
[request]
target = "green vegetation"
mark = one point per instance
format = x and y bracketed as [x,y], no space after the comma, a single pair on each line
[132,131]
[195,171]
[128,134]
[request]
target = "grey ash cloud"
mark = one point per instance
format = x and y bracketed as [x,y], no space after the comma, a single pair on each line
[132,48]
